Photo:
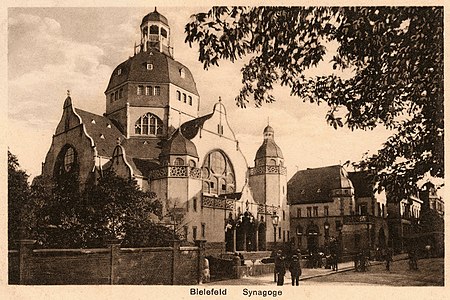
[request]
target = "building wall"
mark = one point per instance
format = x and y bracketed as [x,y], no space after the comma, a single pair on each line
[76,137]
[188,112]
[208,140]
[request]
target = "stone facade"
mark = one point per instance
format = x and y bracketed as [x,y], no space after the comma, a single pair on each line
[328,203]
[152,132]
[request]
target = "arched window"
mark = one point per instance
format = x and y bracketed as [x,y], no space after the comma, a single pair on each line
[163,32]
[178,162]
[218,173]
[190,100]
[272,162]
[192,163]
[148,124]
[154,29]
[67,161]
[178,95]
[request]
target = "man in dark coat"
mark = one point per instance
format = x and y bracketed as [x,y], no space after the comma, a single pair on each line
[295,269]
[280,267]
[388,258]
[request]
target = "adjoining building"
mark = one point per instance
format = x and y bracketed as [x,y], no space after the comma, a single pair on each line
[329,203]
[152,132]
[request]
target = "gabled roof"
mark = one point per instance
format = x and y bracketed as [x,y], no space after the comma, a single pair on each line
[101,130]
[143,148]
[315,185]
[191,128]
[165,70]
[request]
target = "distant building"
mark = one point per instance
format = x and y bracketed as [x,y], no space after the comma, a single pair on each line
[403,219]
[431,200]
[328,202]
[152,132]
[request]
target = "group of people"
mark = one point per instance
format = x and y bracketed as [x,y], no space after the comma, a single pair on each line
[282,264]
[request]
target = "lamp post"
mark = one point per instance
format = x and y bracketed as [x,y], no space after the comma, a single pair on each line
[326,226]
[275,219]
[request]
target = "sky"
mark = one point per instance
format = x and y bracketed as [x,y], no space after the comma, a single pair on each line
[52,50]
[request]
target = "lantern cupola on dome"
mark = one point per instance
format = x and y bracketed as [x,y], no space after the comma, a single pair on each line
[155,33]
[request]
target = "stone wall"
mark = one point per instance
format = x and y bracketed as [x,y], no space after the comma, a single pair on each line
[112,265]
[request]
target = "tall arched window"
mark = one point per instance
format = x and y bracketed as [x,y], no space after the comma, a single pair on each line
[218,174]
[67,161]
[148,124]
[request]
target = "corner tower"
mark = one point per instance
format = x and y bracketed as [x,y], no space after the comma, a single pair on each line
[151,94]
[268,183]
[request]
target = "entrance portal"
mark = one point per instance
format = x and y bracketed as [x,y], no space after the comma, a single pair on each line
[312,237]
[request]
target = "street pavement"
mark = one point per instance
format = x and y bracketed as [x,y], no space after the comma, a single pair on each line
[431,272]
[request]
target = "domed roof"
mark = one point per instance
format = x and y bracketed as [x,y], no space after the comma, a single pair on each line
[155,16]
[268,129]
[165,70]
[269,149]
[179,145]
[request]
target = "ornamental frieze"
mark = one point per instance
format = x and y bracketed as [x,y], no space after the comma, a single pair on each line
[260,170]
[175,171]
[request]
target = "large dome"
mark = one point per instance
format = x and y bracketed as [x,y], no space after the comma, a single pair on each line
[165,70]
[155,16]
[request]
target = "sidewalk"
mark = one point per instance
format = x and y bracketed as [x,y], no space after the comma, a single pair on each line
[307,273]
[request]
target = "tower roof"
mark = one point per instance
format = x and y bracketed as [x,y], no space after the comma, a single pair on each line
[179,145]
[165,70]
[155,16]
[268,129]
[315,185]
[269,148]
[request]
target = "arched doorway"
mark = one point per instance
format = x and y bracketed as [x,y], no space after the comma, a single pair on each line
[312,238]
[245,232]
[262,236]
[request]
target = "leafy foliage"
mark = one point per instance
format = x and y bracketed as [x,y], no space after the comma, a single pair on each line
[117,208]
[58,215]
[18,200]
[395,56]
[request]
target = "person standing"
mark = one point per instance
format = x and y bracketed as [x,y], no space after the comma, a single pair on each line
[295,269]
[334,255]
[280,267]
[388,258]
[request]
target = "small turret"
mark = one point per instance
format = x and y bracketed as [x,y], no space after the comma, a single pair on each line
[155,33]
